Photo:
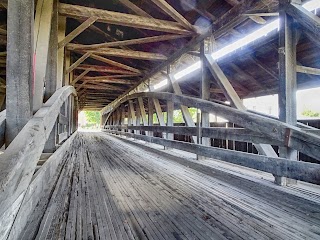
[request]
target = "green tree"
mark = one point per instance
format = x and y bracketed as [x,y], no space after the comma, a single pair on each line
[93,117]
[310,113]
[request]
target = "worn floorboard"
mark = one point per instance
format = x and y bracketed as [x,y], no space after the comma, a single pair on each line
[113,189]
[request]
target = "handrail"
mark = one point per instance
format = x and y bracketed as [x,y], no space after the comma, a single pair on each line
[291,136]
[19,160]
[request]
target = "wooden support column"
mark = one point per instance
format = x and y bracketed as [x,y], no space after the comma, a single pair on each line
[150,114]
[138,116]
[235,100]
[19,66]
[205,95]
[51,74]
[61,52]
[288,80]
[132,114]
[170,109]
[184,109]
[123,116]
[42,29]
[143,113]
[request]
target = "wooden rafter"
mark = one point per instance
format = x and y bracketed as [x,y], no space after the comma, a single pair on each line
[115,80]
[134,8]
[77,63]
[129,54]
[80,76]
[104,69]
[160,38]
[98,78]
[114,63]
[168,9]
[307,19]
[3,31]
[121,19]
[77,31]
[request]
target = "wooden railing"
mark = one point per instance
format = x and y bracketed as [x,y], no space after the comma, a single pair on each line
[256,129]
[19,160]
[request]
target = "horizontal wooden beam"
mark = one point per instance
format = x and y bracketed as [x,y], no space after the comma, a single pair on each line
[110,80]
[85,85]
[289,135]
[262,14]
[107,77]
[308,172]
[105,69]
[114,52]
[121,19]
[308,70]
[235,134]
[114,63]
[137,41]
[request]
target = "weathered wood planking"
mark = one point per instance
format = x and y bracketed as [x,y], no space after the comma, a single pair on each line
[39,192]
[19,160]
[116,189]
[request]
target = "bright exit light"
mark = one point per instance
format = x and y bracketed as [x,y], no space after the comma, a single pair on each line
[312,5]
[263,31]
[188,70]
[161,84]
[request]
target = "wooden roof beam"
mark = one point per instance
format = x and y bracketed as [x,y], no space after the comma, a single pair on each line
[121,19]
[114,52]
[305,18]
[83,26]
[114,63]
[134,8]
[3,31]
[160,38]
[77,63]
[4,4]
[114,81]
[97,78]
[105,69]
[169,10]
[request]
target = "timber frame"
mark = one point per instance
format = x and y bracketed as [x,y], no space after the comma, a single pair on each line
[111,56]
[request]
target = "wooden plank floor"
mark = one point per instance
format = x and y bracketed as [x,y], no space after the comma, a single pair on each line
[112,189]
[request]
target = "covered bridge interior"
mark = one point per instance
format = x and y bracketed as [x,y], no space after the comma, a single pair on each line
[145,176]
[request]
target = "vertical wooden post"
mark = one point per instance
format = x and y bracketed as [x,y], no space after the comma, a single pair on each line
[205,95]
[288,81]
[51,74]
[170,109]
[132,114]
[19,66]
[138,116]
[123,116]
[42,31]
[103,120]
[60,64]
[150,114]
